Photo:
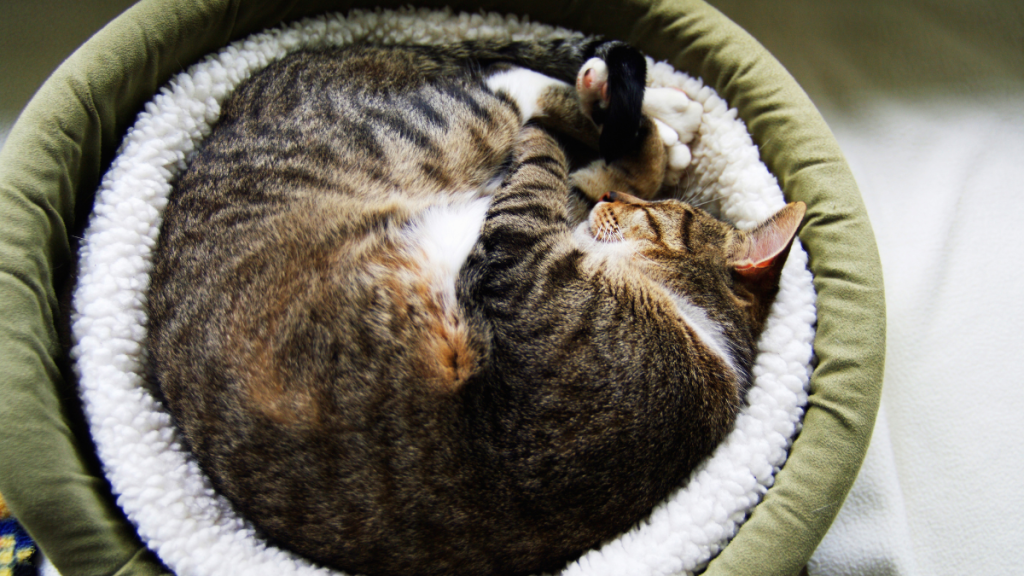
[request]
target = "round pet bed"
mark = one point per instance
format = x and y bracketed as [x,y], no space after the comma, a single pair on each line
[58,150]
[162,490]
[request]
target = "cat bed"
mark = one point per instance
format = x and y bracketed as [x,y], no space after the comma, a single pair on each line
[165,494]
[67,137]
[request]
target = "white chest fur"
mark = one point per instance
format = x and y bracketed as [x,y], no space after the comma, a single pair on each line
[705,329]
[442,237]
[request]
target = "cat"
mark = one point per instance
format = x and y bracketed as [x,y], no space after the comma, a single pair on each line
[403,334]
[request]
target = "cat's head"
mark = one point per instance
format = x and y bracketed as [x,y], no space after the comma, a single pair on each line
[696,255]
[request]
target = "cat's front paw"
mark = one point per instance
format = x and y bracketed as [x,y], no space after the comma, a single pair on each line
[678,120]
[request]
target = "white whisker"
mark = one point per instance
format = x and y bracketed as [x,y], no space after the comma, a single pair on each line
[704,203]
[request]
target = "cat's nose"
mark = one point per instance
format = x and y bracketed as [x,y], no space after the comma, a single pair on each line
[622,197]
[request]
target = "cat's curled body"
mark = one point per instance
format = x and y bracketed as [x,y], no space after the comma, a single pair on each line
[384,393]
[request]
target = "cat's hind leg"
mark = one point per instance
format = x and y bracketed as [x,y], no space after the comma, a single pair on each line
[675,115]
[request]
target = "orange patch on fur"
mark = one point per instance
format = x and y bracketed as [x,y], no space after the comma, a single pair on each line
[444,357]
[260,378]
[448,356]
[268,392]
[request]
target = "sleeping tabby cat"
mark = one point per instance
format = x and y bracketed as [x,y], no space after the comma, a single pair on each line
[397,338]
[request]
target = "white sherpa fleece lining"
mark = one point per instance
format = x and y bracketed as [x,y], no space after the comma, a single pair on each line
[160,487]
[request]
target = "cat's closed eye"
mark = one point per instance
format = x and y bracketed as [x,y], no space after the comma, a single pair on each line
[686,222]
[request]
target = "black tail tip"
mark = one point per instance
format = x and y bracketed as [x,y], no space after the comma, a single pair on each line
[627,80]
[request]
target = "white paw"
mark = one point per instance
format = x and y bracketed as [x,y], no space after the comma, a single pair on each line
[675,109]
[678,153]
[678,120]
[592,85]
[679,157]
[669,136]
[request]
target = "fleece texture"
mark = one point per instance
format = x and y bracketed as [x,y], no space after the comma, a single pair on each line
[159,486]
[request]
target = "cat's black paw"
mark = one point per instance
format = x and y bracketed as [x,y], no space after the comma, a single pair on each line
[611,87]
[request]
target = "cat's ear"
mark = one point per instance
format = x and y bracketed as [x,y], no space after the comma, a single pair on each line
[767,246]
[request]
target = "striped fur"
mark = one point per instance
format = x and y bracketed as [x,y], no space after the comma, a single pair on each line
[369,403]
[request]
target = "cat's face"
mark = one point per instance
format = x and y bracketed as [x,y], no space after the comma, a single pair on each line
[666,231]
[693,253]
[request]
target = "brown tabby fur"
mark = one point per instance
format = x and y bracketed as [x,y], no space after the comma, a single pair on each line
[361,419]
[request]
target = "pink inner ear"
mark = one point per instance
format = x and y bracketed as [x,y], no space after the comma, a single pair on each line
[772,238]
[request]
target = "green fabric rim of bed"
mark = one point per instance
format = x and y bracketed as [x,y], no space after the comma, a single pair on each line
[59,148]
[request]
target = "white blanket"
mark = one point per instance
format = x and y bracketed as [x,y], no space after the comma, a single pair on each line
[160,487]
[939,493]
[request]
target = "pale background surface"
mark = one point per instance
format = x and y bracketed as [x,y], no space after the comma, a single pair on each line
[927,100]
